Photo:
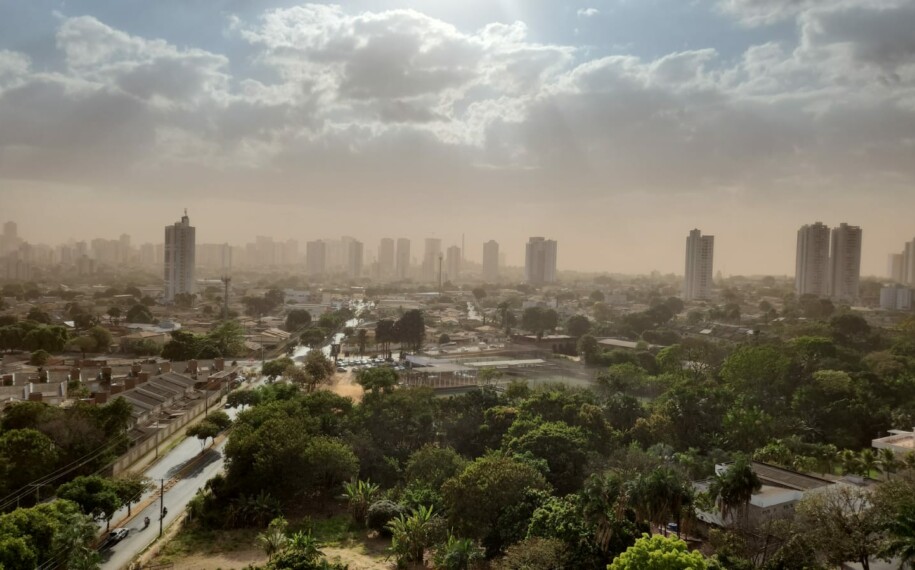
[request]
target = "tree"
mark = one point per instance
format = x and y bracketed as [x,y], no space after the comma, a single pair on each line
[901,541]
[203,431]
[562,446]
[29,455]
[228,339]
[479,293]
[319,368]
[273,540]
[410,329]
[734,488]
[578,325]
[458,554]
[130,488]
[842,524]
[96,496]
[102,337]
[596,297]
[54,533]
[589,349]
[360,495]
[431,466]
[275,368]
[659,553]
[39,358]
[412,534]
[114,313]
[242,398]
[362,337]
[312,337]
[139,313]
[39,316]
[481,500]
[377,380]
[296,319]
[538,320]
[533,553]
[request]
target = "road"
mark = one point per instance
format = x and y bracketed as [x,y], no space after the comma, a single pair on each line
[185,470]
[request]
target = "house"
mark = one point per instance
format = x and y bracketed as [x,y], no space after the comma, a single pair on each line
[781,491]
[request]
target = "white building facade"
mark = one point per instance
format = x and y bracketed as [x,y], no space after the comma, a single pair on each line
[180,253]
[700,258]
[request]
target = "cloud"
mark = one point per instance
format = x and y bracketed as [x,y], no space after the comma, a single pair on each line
[331,98]
[587,12]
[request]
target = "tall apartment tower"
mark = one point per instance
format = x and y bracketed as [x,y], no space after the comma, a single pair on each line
[894,267]
[315,258]
[908,263]
[179,258]
[700,257]
[430,259]
[453,263]
[402,262]
[845,262]
[491,261]
[811,274]
[354,259]
[386,258]
[540,261]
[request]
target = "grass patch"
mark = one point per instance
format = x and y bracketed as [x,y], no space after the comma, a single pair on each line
[335,530]
[206,541]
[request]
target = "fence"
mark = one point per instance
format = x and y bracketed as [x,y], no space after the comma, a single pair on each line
[142,448]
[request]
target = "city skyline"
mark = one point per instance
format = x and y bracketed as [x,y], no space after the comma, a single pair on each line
[152,252]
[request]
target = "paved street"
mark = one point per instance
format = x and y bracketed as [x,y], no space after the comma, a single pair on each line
[194,470]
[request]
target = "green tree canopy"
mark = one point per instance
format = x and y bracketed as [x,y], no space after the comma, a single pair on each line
[659,553]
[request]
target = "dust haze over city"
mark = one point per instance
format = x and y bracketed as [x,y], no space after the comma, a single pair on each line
[497,120]
[477,284]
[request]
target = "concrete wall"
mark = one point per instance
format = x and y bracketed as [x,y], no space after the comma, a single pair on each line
[147,445]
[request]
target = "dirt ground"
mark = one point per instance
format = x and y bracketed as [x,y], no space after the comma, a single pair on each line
[344,384]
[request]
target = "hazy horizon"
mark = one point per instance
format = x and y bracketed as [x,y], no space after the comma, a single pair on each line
[612,127]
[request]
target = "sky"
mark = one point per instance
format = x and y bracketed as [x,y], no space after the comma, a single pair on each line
[614,127]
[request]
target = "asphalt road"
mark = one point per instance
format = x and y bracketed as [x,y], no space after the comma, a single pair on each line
[192,470]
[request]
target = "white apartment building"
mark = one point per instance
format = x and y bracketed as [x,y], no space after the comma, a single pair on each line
[179,258]
[700,257]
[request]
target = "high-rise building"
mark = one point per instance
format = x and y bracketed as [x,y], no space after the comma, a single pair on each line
[908,263]
[315,258]
[403,258]
[845,262]
[148,255]
[491,260]
[540,261]
[895,267]
[9,241]
[354,259]
[179,258]
[386,258]
[896,297]
[811,274]
[430,259]
[453,263]
[700,258]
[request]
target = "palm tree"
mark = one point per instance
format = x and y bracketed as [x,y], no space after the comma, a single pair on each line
[734,488]
[868,461]
[888,461]
[360,495]
[304,543]
[901,540]
[458,554]
[851,462]
[273,540]
[909,460]
[411,535]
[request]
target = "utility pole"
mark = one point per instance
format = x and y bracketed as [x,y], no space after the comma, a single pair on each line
[161,504]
